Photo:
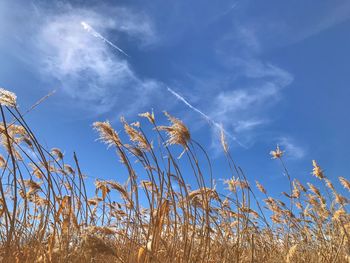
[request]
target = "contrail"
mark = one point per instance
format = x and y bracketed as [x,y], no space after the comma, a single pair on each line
[210,120]
[92,31]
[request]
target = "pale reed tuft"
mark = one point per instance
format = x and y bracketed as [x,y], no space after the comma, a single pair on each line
[149,116]
[223,140]
[103,186]
[69,169]
[340,199]
[317,171]
[345,183]
[177,132]
[7,98]
[260,187]
[107,134]
[277,154]
[329,185]
[2,162]
[295,191]
[135,136]
[314,189]
[57,152]
[233,183]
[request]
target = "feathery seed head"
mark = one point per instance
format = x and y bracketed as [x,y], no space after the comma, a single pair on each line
[329,184]
[314,189]
[223,141]
[277,154]
[69,169]
[149,116]
[260,187]
[178,133]
[57,152]
[7,98]
[135,136]
[345,183]
[317,171]
[2,162]
[107,134]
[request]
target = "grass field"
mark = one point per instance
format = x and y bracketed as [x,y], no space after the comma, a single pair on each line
[47,213]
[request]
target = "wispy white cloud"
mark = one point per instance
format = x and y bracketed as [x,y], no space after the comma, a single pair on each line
[247,125]
[88,69]
[275,29]
[50,40]
[292,150]
[244,110]
[334,16]
[227,10]
[243,95]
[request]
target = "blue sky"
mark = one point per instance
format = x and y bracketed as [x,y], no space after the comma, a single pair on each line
[271,72]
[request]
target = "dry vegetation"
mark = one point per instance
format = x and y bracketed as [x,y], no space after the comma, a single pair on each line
[47,213]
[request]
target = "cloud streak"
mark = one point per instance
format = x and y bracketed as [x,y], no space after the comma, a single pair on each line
[206,117]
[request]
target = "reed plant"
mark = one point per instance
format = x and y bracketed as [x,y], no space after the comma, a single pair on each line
[48,212]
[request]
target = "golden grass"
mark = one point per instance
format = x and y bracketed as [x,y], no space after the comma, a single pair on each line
[47,213]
